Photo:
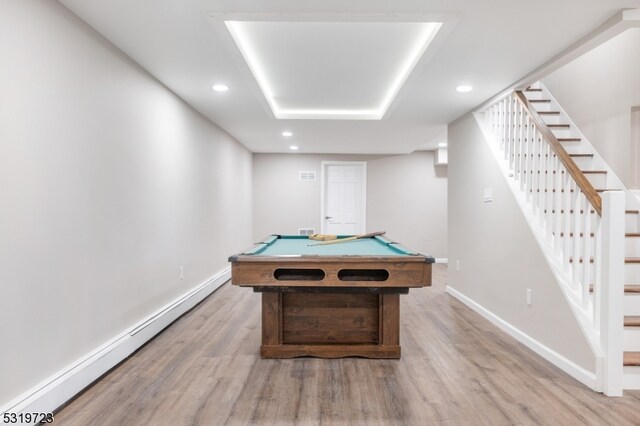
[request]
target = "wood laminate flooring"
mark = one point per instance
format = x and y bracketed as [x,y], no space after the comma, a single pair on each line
[456,369]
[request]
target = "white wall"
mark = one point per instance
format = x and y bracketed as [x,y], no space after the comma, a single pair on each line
[406,196]
[499,258]
[108,183]
[598,90]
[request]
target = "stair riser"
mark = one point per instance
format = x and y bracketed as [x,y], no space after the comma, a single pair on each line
[553,119]
[545,106]
[631,377]
[536,95]
[584,163]
[563,133]
[632,247]
[631,223]
[631,339]
[632,304]
[632,273]
[597,180]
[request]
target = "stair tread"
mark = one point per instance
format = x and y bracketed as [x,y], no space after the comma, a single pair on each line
[632,321]
[533,89]
[559,126]
[594,172]
[539,101]
[548,112]
[569,139]
[631,358]
[628,288]
[632,234]
[632,211]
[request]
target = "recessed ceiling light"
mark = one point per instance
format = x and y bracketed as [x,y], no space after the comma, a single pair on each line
[220,87]
[464,88]
[287,134]
[293,148]
[442,145]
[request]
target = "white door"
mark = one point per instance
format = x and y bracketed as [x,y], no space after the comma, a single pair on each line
[344,198]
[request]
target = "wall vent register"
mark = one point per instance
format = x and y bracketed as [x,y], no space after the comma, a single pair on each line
[306,231]
[307,176]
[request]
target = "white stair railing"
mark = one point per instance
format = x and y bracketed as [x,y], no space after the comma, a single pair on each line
[585,234]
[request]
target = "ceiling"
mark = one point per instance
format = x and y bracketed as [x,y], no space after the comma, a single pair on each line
[321,58]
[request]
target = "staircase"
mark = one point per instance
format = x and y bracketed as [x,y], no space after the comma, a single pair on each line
[575,204]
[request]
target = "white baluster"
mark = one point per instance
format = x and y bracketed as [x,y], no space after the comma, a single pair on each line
[535,157]
[503,130]
[586,250]
[521,145]
[527,160]
[566,206]
[557,203]
[576,237]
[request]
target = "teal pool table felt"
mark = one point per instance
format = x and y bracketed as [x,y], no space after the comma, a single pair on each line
[294,245]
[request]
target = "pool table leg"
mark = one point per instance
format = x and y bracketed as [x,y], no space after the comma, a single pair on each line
[271,319]
[390,320]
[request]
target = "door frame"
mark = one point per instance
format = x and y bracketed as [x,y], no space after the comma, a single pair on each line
[323,187]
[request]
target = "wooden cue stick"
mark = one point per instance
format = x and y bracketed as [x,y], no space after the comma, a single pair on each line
[344,240]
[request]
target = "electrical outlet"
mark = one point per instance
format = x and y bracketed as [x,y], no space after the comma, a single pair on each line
[457,264]
[529,302]
[181,272]
[488,195]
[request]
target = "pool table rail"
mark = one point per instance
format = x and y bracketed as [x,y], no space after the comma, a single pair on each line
[345,271]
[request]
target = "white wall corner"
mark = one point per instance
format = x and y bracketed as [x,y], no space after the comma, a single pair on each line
[57,389]
[584,376]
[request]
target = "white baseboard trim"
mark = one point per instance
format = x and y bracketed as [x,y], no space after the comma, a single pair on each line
[51,393]
[442,260]
[584,376]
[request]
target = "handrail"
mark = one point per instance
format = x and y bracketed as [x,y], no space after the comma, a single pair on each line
[583,183]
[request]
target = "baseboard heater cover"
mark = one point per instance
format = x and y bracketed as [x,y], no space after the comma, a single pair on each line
[60,387]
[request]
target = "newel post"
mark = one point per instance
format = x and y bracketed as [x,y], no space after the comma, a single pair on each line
[609,291]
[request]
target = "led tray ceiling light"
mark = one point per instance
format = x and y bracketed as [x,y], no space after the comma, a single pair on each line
[331,70]
[464,88]
[287,134]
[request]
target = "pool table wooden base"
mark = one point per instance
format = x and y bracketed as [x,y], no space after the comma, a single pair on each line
[330,324]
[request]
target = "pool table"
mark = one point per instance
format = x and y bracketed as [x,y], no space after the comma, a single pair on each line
[330,301]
